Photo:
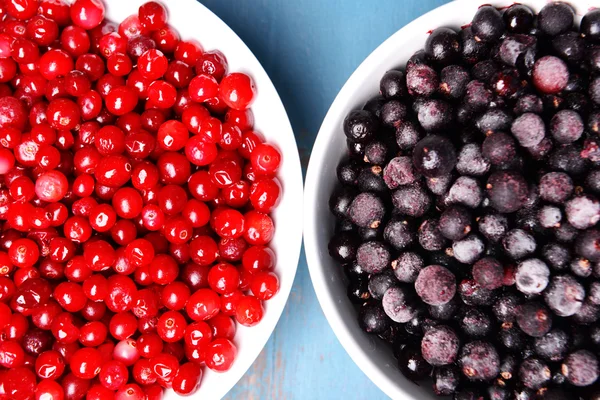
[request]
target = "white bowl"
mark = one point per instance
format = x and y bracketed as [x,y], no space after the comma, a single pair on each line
[368,352]
[194,21]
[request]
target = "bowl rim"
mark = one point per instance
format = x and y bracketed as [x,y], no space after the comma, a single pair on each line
[314,249]
[227,40]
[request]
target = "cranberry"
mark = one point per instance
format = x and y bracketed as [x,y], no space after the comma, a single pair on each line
[203,304]
[93,334]
[187,380]
[75,41]
[237,90]
[212,63]
[249,311]
[49,365]
[87,14]
[171,326]
[220,355]
[127,352]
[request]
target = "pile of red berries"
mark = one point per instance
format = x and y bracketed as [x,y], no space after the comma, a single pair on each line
[134,205]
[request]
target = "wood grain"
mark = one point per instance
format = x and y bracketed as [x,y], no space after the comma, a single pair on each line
[310,48]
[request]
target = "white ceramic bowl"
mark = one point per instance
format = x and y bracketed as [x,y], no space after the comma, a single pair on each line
[369,353]
[194,21]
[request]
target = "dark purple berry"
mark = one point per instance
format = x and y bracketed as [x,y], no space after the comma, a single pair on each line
[555,18]
[440,346]
[399,233]
[343,246]
[518,244]
[366,210]
[407,266]
[340,201]
[592,181]
[435,285]
[511,337]
[532,276]
[393,84]
[568,159]
[518,18]
[373,257]
[479,361]
[358,291]
[430,237]
[581,267]
[446,311]
[477,96]
[434,156]
[581,368]
[555,187]
[534,319]
[347,172]
[393,112]
[529,103]
[380,283]
[566,126]
[442,46]
[588,245]
[475,323]
[439,185]
[488,273]
[552,346]
[412,364]
[421,80]
[468,394]
[473,50]
[514,46]
[360,126]
[487,24]
[550,75]
[472,294]
[376,153]
[534,374]
[507,190]
[399,172]
[453,82]
[507,83]
[569,46]
[499,148]
[370,179]
[469,249]
[398,304]
[445,380]
[493,226]
[590,25]
[528,129]
[435,115]
[412,200]
[407,135]
[505,308]
[466,191]
[564,295]
[372,319]
[455,223]
[549,216]
[494,119]
[583,211]
[471,161]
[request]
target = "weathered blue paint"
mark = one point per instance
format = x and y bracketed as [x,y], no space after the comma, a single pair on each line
[309,48]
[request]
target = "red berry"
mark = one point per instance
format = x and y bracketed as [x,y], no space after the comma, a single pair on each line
[87,14]
[237,90]
[220,355]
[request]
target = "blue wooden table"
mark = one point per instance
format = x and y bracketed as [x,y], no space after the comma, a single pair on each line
[309,48]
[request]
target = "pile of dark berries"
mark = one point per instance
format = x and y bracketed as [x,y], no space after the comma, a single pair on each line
[468,208]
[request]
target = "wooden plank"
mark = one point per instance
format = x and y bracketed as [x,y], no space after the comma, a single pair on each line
[310,48]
